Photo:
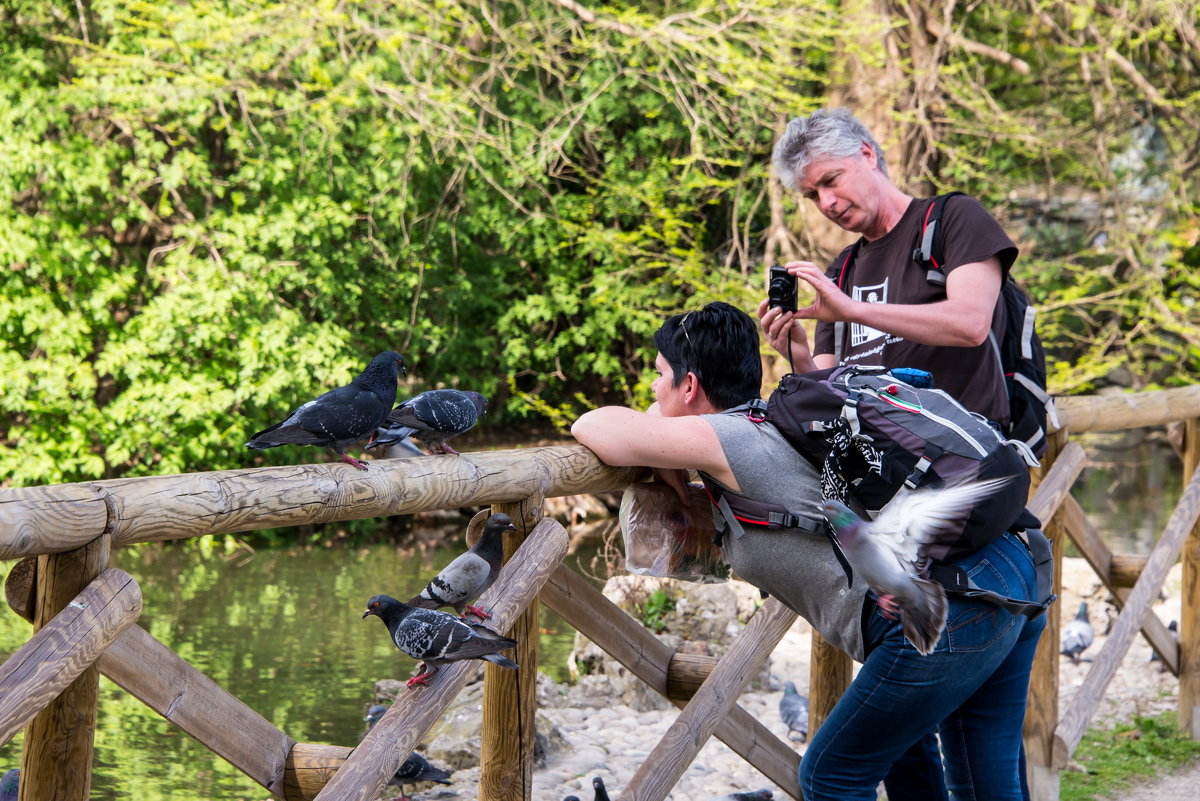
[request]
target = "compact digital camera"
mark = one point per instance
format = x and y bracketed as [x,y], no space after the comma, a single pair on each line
[781,289]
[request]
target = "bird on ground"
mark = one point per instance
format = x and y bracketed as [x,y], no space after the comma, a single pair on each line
[757,795]
[793,709]
[889,552]
[571,798]
[598,786]
[437,638]
[470,574]
[341,416]
[1172,627]
[10,784]
[415,769]
[1077,635]
[432,418]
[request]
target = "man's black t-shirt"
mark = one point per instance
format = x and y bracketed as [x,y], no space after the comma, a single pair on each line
[884,271]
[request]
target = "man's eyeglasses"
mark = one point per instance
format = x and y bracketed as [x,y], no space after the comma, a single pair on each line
[695,363]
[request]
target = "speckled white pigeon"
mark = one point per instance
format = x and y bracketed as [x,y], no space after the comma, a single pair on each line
[432,418]
[437,638]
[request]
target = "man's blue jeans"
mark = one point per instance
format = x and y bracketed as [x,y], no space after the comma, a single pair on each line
[972,689]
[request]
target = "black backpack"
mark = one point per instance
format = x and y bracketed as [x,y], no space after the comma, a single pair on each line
[876,431]
[873,432]
[1022,358]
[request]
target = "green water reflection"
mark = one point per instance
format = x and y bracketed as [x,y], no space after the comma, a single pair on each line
[282,631]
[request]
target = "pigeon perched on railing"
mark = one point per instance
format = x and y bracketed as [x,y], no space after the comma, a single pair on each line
[793,709]
[10,784]
[1077,635]
[888,552]
[469,575]
[415,769]
[341,416]
[437,638]
[432,418]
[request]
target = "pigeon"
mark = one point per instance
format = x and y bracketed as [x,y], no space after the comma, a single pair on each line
[469,575]
[341,416]
[1077,635]
[1172,627]
[793,708]
[888,552]
[571,798]
[598,786]
[436,638]
[9,785]
[374,714]
[415,769]
[757,795]
[433,418]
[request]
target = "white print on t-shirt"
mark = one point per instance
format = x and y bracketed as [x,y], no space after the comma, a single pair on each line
[859,333]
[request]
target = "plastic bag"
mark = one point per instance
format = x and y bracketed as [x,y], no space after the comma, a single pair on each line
[663,537]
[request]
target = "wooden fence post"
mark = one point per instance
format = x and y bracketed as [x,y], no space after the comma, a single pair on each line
[1041,715]
[1189,623]
[510,697]
[829,674]
[59,741]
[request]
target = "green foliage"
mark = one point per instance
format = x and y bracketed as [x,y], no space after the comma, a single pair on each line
[653,610]
[213,211]
[1113,759]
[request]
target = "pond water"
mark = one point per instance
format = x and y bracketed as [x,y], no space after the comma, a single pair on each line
[282,630]
[1129,488]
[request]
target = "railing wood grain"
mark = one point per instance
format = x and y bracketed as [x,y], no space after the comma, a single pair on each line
[45,665]
[1074,722]
[645,656]
[34,520]
[388,744]
[691,729]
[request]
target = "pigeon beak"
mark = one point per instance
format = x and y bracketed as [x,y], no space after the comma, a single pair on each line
[368,612]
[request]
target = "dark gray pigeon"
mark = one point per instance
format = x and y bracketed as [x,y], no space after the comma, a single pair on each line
[437,638]
[793,709]
[1172,627]
[598,786]
[469,575]
[757,795]
[374,715]
[571,798]
[415,769]
[1077,635]
[9,785]
[433,418]
[341,416]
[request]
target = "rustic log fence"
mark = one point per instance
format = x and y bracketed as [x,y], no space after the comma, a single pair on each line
[84,616]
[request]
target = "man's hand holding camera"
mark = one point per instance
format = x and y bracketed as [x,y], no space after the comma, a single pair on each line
[782,326]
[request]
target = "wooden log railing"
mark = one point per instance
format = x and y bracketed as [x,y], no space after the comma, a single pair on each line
[81,521]
[1074,722]
[388,744]
[65,647]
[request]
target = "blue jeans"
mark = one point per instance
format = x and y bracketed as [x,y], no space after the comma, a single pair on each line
[971,689]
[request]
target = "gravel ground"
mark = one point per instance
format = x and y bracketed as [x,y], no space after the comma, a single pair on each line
[593,736]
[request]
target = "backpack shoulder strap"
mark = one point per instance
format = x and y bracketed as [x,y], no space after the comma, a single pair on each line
[928,251]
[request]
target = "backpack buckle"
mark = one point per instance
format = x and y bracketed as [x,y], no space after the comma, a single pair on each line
[758,411]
